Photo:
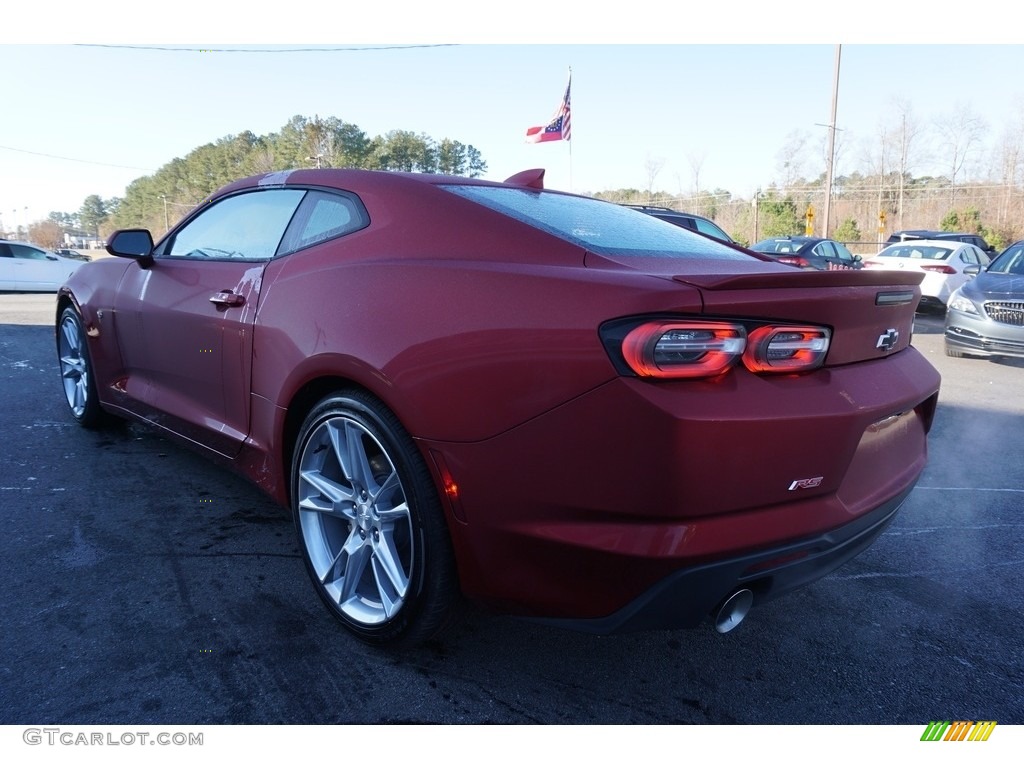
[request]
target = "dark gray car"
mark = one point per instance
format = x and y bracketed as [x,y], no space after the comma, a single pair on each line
[985,316]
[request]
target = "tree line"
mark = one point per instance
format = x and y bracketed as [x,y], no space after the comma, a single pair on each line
[158,201]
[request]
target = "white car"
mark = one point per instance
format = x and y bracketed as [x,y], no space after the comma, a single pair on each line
[943,262]
[26,267]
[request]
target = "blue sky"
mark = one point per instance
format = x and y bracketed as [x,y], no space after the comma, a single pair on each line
[674,102]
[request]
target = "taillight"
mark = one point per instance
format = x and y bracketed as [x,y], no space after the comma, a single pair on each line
[785,349]
[683,350]
[796,261]
[870,263]
[944,269]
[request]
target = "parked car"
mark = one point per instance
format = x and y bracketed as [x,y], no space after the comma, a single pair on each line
[985,316]
[944,264]
[935,234]
[26,267]
[71,254]
[553,405]
[808,252]
[690,221]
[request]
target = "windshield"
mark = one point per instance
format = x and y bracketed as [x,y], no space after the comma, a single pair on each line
[911,251]
[1010,261]
[600,227]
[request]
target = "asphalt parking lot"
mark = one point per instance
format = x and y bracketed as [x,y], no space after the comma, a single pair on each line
[143,585]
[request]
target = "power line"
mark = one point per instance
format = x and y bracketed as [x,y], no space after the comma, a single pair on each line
[334,49]
[75,159]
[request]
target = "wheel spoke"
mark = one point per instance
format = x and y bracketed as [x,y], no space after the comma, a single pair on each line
[328,489]
[339,563]
[391,579]
[357,557]
[70,335]
[396,514]
[388,487]
[72,366]
[347,442]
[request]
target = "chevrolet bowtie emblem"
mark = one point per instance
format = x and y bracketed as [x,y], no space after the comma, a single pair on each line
[888,340]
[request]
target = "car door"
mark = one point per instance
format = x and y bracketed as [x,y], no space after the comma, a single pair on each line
[184,321]
[846,260]
[8,281]
[35,270]
[825,255]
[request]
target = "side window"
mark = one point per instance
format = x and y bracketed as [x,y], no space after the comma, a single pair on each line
[844,252]
[969,255]
[245,227]
[27,252]
[712,230]
[825,249]
[322,216]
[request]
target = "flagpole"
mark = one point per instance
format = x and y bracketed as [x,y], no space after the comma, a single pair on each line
[570,164]
[569,142]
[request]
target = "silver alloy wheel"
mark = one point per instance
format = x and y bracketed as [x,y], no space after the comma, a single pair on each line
[355,521]
[74,365]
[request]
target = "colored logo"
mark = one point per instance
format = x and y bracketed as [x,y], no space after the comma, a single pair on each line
[959,730]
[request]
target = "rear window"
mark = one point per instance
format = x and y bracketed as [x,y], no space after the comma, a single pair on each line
[910,251]
[600,227]
[778,246]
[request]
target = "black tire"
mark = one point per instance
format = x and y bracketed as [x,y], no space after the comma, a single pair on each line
[77,372]
[370,524]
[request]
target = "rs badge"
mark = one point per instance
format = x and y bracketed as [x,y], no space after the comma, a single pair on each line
[807,482]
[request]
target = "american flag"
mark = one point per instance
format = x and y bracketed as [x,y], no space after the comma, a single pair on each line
[560,126]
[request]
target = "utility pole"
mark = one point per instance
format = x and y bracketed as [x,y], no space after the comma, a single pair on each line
[757,206]
[831,148]
[167,226]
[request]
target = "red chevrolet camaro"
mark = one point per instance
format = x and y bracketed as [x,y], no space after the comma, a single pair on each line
[555,406]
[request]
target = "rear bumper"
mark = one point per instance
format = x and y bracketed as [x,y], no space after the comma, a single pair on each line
[689,596]
[641,497]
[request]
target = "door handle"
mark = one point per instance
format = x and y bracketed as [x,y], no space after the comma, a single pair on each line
[227,299]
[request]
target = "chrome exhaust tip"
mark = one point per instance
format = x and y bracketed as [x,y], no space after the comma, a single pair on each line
[733,610]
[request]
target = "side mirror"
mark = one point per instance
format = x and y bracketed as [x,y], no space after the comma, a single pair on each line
[132,244]
[972,270]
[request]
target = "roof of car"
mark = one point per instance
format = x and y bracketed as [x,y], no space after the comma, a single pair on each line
[933,234]
[943,243]
[663,209]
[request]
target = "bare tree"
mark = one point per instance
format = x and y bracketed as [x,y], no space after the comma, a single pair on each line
[46,233]
[791,158]
[653,167]
[696,163]
[907,135]
[878,159]
[960,132]
[1008,161]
